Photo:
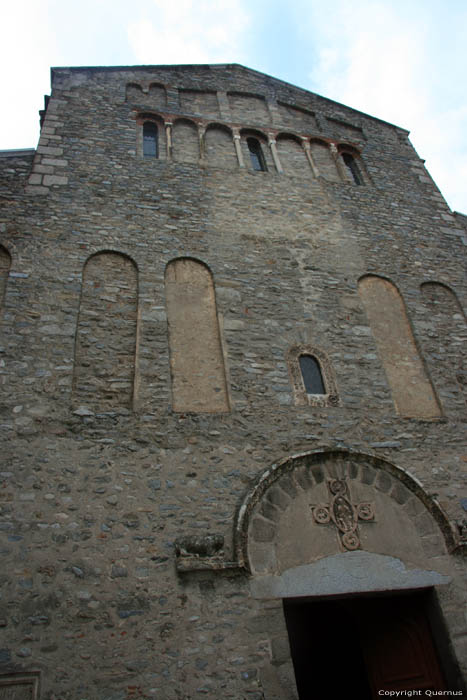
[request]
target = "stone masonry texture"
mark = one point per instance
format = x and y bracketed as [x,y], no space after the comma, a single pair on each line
[135,528]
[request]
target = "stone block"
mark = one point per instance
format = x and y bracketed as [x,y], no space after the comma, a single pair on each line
[43,169]
[59,162]
[263,530]
[278,497]
[288,486]
[383,481]
[49,151]
[35,179]
[55,180]
[400,493]
[36,190]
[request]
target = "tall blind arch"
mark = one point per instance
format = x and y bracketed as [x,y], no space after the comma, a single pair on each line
[106,333]
[185,142]
[411,388]
[446,348]
[5,263]
[196,358]
[219,148]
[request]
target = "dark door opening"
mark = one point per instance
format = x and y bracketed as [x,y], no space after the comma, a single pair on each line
[361,646]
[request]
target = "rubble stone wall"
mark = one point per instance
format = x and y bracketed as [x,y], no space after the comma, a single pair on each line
[94,494]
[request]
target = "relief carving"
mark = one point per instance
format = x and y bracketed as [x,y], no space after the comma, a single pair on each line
[343,513]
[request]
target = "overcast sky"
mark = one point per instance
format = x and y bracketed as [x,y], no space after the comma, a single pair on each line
[400,60]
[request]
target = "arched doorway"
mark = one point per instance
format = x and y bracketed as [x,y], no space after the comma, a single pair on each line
[351,550]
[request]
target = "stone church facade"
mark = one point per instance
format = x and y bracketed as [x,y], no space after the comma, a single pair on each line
[232,360]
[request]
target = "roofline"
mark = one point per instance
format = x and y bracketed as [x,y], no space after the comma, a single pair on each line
[15,152]
[188,66]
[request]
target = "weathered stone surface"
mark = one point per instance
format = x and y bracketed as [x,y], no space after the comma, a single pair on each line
[263,530]
[102,471]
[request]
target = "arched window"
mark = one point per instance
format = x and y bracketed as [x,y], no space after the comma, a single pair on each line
[353,168]
[150,140]
[256,154]
[311,374]
[312,377]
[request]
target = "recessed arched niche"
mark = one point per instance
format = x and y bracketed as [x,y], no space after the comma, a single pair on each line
[324,161]
[292,156]
[445,345]
[105,346]
[196,354]
[411,388]
[5,264]
[185,141]
[219,147]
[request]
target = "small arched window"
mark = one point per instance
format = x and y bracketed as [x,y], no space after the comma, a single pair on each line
[150,140]
[256,154]
[353,168]
[311,374]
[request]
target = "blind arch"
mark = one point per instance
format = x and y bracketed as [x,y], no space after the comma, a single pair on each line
[412,392]
[196,355]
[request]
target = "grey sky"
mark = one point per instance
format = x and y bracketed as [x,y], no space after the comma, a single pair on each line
[400,60]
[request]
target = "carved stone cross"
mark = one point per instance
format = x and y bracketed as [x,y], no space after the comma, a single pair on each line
[343,513]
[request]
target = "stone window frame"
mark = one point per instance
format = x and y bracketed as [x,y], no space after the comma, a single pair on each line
[346,171]
[263,141]
[301,398]
[141,119]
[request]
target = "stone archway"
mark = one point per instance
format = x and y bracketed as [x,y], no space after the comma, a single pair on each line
[278,525]
[337,523]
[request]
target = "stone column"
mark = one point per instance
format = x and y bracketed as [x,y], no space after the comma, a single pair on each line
[275,155]
[201,134]
[338,161]
[238,148]
[168,137]
[307,148]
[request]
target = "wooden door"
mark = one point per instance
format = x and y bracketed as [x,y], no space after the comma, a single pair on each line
[397,644]
[361,646]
